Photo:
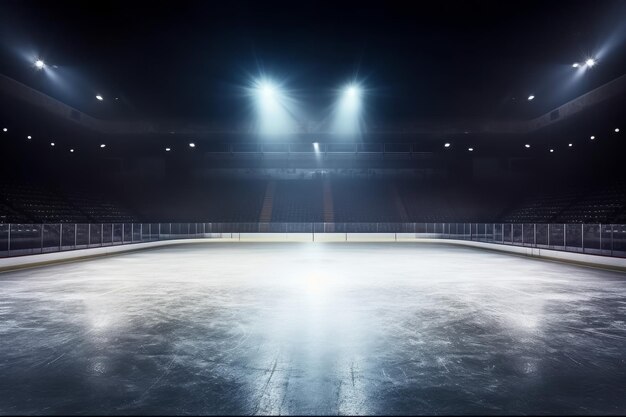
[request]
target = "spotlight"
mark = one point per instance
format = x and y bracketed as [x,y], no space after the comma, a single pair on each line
[267,89]
[470,149]
[570,144]
[99,97]
[275,110]
[590,62]
[29,137]
[617,130]
[531,97]
[316,146]
[51,143]
[592,137]
[446,145]
[72,150]
[103,145]
[527,145]
[192,145]
[348,112]
[575,65]
[167,149]
[40,64]
[352,91]
[551,150]
[5,129]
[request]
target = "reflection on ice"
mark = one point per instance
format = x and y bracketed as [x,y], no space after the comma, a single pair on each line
[312,329]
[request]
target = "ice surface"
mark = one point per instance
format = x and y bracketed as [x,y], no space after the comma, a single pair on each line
[305,328]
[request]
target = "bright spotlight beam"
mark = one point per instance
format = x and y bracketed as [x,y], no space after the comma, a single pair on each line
[352,91]
[268,91]
[348,112]
[274,109]
[39,64]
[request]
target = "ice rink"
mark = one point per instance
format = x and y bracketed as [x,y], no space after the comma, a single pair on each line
[313,328]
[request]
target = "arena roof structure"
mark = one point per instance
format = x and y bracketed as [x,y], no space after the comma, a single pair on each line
[436,69]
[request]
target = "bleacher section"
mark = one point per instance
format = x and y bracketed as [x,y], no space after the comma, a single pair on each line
[364,201]
[317,200]
[601,206]
[620,218]
[97,207]
[444,203]
[298,201]
[32,203]
[604,204]
[425,204]
[233,201]
[9,215]
[542,208]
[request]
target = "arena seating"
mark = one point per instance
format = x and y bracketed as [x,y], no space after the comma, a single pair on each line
[444,203]
[599,206]
[232,200]
[298,201]
[31,203]
[603,204]
[542,208]
[363,201]
[303,200]
[97,207]
[620,218]
[426,204]
[9,215]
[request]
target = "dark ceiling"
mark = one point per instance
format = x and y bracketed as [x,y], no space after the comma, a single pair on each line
[436,60]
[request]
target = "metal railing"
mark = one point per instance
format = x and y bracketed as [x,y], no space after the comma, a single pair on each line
[597,239]
[28,239]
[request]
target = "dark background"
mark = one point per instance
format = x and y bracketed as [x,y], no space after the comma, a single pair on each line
[191,62]
[423,60]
